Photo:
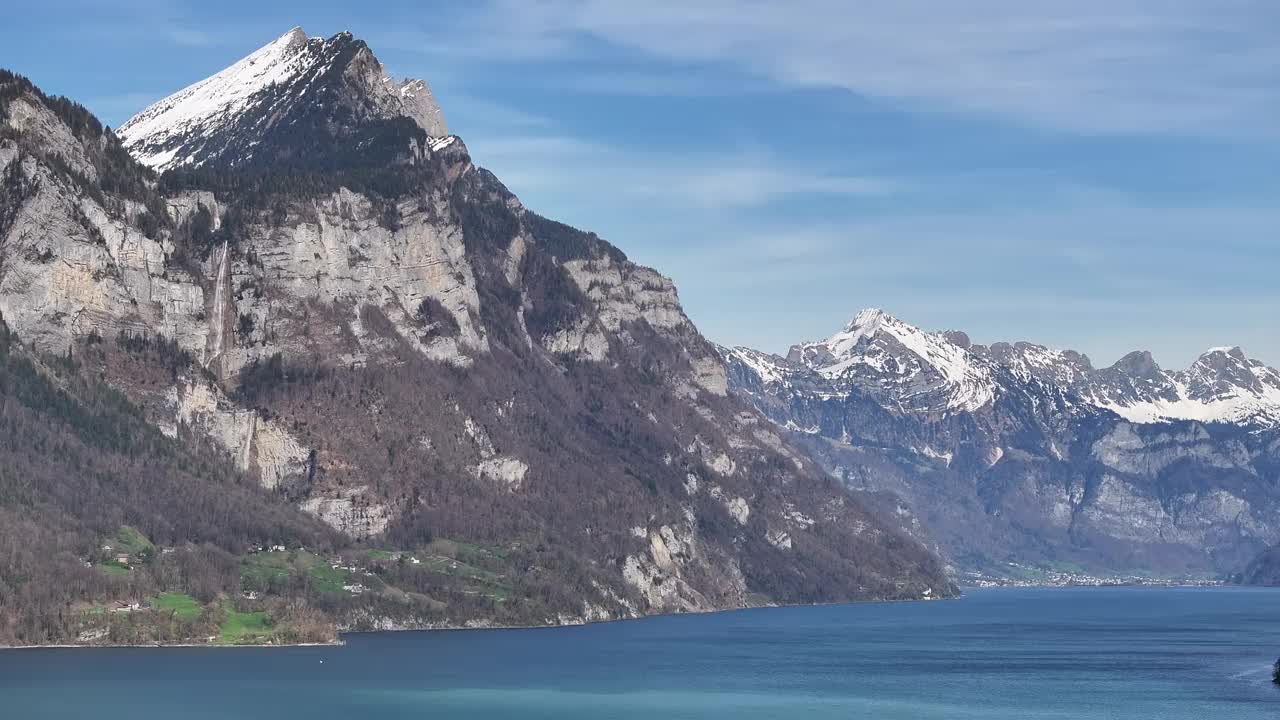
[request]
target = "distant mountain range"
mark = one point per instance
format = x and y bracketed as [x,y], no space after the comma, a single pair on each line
[1016,455]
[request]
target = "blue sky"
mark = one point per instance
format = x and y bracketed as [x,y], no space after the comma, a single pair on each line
[1102,174]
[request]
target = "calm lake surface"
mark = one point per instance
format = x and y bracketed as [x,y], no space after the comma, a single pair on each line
[1050,653]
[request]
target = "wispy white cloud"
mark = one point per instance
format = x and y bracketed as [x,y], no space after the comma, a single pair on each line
[1182,66]
[638,178]
[748,185]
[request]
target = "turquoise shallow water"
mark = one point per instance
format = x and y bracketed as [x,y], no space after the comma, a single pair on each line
[1026,654]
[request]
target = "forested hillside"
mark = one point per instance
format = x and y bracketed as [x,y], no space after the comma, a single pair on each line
[79,463]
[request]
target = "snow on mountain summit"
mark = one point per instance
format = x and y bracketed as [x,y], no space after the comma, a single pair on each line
[921,371]
[1222,385]
[218,116]
[910,370]
[205,103]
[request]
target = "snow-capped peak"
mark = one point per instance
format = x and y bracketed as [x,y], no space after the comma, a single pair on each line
[867,320]
[212,99]
[224,114]
[922,371]
[865,324]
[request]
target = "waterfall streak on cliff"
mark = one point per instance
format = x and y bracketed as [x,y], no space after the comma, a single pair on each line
[220,290]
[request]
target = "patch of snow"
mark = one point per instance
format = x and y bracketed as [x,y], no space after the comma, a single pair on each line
[1235,404]
[1229,410]
[170,133]
[996,454]
[766,367]
[215,98]
[440,143]
[945,457]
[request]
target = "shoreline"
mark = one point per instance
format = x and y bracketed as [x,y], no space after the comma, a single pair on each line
[991,585]
[162,646]
[464,627]
[472,628]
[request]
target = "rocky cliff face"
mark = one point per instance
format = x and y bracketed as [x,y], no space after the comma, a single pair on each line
[1015,453]
[393,343]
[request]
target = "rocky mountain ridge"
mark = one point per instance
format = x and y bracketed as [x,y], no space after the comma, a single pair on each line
[940,372]
[1015,453]
[224,117]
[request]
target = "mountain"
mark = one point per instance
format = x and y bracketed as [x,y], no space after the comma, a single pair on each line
[499,418]
[292,92]
[1221,386]
[1016,456]
[897,363]
[935,373]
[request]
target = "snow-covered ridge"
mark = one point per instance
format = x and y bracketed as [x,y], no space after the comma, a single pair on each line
[911,370]
[1221,386]
[206,102]
[1241,408]
[921,371]
[174,131]
[770,369]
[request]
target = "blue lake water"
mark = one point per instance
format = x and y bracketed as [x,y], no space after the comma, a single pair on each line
[1050,653]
